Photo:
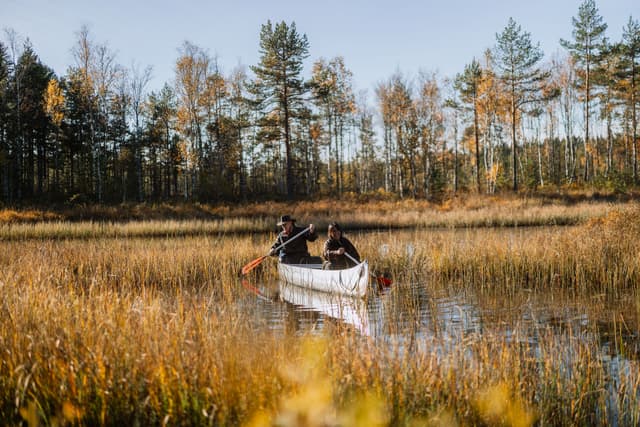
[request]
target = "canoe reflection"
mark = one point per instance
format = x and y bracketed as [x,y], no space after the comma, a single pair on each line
[352,311]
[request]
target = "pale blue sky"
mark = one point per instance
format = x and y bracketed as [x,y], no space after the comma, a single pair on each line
[376,38]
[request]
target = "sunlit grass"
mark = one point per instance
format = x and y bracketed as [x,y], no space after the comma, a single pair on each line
[156,228]
[129,331]
[599,256]
[167,221]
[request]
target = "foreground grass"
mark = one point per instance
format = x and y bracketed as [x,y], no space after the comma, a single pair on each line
[158,331]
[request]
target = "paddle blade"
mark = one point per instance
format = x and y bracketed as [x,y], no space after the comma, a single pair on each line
[252,264]
[384,281]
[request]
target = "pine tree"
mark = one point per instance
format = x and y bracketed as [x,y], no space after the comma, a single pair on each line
[468,84]
[588,35]
[516,59]
[161,109]
[629,81]
[279,87]
[34,78]
[4,118]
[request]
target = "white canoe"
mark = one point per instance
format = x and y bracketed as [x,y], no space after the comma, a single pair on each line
[352,281]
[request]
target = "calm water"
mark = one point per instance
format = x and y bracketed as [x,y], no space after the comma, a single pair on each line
[417,314]
[411,311]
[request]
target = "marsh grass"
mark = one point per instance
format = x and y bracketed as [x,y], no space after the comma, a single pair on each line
[600,256]
[196,220]
[149,229]
[114,331]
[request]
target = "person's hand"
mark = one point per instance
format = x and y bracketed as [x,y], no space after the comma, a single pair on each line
[311,228]
[340,251]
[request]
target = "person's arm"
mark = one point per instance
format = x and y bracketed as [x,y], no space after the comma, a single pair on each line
[326,250]
[311,235]
[330,249]
[278,242]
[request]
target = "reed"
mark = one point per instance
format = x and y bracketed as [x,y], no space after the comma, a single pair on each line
[126,330]
[599,256]
[149,229]
[161,221]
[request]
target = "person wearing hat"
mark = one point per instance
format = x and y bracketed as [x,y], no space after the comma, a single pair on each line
[335,248]
[295,251]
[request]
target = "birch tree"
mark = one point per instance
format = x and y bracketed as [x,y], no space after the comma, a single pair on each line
[430,123]
[138,81]
[54,108]
[192,71]
[332,88]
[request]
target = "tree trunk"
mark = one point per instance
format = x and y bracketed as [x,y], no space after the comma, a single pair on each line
[586,127]
[514,145]
[476,135]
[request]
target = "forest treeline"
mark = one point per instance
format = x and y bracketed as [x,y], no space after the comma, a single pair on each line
[510,119]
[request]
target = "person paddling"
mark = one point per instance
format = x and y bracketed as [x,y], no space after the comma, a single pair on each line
[336,247]
[296,250]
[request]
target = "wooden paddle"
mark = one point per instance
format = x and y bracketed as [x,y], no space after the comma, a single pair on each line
[256,262]
[381,280]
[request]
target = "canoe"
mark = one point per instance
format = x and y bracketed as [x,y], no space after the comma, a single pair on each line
[352,281]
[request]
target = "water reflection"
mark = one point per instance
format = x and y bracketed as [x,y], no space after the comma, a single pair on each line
[410,314]
[402,312]
[352,312]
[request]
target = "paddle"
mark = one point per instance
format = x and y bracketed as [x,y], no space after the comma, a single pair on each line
[256,262]
[381,280]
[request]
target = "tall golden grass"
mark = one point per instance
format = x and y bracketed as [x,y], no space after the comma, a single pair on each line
[114,331]
[189,220]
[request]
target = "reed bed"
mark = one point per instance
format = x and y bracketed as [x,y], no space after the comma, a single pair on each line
[163,222]
[600,256]
[149,229]
[113,331]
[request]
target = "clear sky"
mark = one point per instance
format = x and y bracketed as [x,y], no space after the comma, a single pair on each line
[376,38]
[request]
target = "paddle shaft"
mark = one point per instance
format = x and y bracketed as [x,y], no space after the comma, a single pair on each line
[253,264]
[289,240]
[352,258]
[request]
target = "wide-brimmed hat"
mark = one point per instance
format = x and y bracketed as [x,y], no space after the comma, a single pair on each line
[285,218]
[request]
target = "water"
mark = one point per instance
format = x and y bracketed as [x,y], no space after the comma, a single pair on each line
[412,310]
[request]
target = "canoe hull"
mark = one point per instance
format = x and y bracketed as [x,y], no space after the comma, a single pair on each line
[351,281]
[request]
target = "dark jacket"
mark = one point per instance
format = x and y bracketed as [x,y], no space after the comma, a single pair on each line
[294,251]
[340,261]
